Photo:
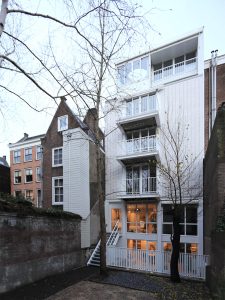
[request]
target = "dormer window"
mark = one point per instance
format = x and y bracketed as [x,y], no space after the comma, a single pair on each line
[63,123]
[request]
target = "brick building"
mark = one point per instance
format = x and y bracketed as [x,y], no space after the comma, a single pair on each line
[69,168]
[4,176]
[25,162]
[218,95]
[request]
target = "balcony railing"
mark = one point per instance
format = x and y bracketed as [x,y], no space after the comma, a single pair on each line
[139,106]
[137,146]
[176,69]
[139,186]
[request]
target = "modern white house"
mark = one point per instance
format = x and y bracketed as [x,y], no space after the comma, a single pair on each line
[165,83]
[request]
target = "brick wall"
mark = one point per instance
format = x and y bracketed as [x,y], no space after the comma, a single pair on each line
[220,90]
[23,186]
[214,174]
[54,139]
[4,179]
[33,247]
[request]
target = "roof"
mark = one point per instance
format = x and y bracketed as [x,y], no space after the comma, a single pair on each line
[3,162]
[29,138]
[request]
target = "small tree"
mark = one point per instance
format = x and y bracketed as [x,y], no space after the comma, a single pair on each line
[180,179]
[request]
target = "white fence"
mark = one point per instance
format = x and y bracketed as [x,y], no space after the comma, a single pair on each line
[190,265]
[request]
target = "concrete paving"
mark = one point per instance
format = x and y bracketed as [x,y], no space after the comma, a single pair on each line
[87,290]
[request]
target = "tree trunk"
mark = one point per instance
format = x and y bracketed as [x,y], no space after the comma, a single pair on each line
[100,191]
[3,15]
[174,272]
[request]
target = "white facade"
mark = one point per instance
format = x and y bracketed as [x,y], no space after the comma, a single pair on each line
[76,183]
[165,83]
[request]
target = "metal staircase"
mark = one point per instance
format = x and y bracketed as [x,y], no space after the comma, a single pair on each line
[112,240]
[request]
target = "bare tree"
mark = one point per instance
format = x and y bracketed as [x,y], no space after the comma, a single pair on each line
[180,176]
[97,32]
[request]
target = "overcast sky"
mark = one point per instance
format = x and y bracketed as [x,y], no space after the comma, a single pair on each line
[169,19]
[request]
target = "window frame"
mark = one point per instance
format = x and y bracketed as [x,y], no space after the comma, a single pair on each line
[25,177]
[39,152]
[60,128]
[38,174]
[28,148]
[53,157]
[184,224]
[123,68]
[53,191]
[29,198]
[17,162]
[17,176]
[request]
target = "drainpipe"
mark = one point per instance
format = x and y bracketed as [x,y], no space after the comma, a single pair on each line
[213,89]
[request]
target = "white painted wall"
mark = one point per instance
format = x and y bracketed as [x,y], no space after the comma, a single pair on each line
[76,178]
[183,100]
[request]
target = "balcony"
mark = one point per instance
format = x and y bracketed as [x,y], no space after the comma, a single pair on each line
[175,70]
[138,149]
[139,188]
[138,109]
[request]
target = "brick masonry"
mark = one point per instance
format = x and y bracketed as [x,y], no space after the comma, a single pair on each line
[54,139]
[33,247]
[220,90]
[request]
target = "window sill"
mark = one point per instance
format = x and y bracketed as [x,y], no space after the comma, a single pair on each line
[55,166]
[28,182]
[57,203]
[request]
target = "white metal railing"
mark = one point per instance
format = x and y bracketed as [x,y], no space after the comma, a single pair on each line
[138,145]
[175,69]
[190,265]
[139,106]
[137,186]
[114,236]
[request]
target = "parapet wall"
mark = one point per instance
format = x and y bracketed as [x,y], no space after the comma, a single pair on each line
[33,247]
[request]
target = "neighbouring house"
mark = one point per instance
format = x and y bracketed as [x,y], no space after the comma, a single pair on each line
[4,176]
[214,90]
[69,169]
[214,203]
[25,168]
[168,79]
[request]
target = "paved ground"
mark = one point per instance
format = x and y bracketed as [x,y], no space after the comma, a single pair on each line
[86,290]
[49,286]
[86,284]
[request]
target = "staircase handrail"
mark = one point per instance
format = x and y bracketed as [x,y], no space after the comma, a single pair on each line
[93,253]
[113,235]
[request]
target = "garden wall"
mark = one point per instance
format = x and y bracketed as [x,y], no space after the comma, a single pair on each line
[33,247]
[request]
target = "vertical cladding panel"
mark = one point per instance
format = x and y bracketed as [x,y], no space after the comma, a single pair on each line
[113,167]
[184,102]
[76,172]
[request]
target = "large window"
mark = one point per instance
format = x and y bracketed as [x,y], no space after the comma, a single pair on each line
[141,245]
[38,152]
[17,177]
[28,154]
[39,198]
[28,175]
[62,123]
[140,105]
[142,218]
[115,216]
[16,156]
[188,219]
[134,70]
[57,190]
[184,247]
[29,195]
[57,157]
[38,174]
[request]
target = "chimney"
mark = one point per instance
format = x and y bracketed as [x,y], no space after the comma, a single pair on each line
[25,135]
[91,119]
[4,157]
[63,98]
